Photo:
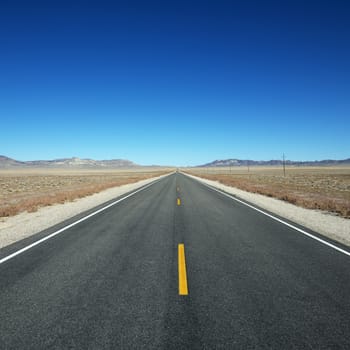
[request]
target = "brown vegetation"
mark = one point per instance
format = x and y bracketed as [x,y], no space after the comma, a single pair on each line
[326,188]
[28,190]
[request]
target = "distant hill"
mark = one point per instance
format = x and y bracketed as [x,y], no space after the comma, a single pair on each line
[7,163]
[245,162]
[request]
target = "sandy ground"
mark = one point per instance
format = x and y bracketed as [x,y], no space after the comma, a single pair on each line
[327,224]
[15,228]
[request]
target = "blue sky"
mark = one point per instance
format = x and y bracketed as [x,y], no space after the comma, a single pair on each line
[175,82]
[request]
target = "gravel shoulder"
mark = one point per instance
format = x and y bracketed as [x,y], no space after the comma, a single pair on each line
[23,225]
[329,225]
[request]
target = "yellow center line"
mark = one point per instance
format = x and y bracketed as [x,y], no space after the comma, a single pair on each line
[178,201]
[182,270]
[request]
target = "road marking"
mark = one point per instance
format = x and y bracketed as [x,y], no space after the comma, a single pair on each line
[75,223]
[280,220]
[178,201]
[183,290]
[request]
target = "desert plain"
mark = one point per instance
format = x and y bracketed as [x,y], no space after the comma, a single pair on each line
[323,188]
[26,190]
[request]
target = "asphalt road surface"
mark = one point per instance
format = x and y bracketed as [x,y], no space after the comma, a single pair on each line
[112,280]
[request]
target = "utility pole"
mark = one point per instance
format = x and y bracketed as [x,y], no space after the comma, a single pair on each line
[284,165]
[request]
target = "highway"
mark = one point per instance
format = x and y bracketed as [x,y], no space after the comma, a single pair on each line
[117,279]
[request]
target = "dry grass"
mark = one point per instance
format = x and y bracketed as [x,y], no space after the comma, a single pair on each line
[25,190]
[323,188]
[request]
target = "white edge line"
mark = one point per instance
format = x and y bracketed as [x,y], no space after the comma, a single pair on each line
[20,251]
[275,218]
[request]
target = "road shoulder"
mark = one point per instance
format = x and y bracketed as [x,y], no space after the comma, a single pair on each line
[25,225]
[331,226]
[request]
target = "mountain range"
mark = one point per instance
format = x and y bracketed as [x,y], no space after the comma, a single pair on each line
[78,163]
[276,162]
[6,163]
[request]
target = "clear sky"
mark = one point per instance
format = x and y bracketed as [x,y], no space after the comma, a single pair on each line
[175,82]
